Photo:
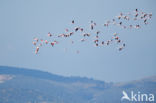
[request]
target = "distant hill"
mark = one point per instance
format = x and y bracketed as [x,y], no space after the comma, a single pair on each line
[19,85]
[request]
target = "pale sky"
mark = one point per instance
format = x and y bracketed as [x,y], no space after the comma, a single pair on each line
[22,20]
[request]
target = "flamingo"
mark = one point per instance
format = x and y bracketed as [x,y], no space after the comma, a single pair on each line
[46,41]
[34,43]
[52,43]
[72,21]
[49,34]
[37,49]
[117,22]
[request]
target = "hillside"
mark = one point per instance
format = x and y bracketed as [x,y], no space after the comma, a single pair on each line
[19,85]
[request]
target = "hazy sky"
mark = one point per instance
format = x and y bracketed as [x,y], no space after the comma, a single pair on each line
[21,20]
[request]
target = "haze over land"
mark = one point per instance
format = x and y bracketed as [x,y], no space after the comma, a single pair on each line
[22,20]
[18,85]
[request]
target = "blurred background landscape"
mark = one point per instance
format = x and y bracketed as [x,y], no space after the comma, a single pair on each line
[19,85]
[58,76]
